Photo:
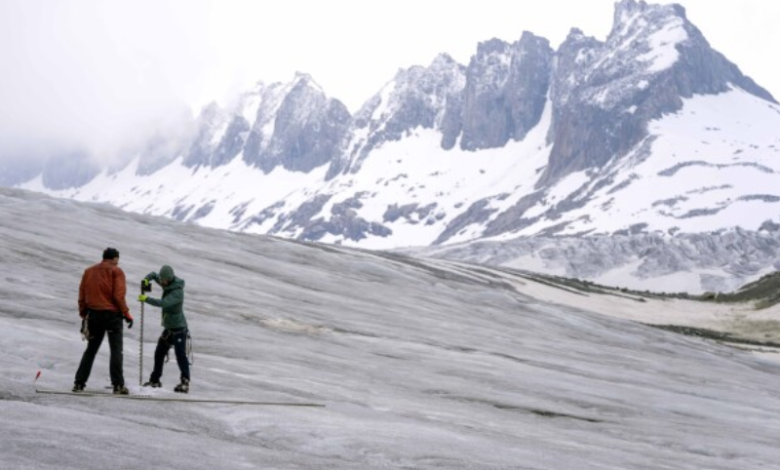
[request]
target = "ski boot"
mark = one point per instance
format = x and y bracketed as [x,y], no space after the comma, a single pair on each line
[121,390]
[153,384]
[78,388]
[183,387]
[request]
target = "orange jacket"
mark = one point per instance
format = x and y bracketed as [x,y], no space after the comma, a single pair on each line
[103,288]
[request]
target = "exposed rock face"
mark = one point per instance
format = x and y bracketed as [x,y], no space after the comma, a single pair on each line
[201,148]
[505,94]
[343,220]
[417,97]
[69,171]
[308,129]
[499,97]
[17,169]
[158,153]
[262,130]
[604,94]
[232,142]
[737,255]
[292,125]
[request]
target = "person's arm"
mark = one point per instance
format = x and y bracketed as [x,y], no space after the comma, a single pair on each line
[173,298]
[152,276]
[120,291]
[82,299]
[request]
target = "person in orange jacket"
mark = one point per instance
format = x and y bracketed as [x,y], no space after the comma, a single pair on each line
[102,307]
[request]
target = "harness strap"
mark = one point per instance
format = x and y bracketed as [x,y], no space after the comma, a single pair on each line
[187,348]
[85,328]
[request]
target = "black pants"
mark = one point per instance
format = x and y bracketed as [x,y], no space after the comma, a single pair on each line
[100,323]
[178,339]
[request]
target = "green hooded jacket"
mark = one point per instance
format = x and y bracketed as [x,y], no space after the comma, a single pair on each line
[172,302]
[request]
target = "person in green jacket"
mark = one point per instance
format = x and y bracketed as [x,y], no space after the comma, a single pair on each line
[175,332]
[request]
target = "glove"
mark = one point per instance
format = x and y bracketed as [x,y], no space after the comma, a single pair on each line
[129,321]
[142,297]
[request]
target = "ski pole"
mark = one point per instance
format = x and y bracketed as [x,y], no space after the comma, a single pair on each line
[145,287]
[141,344]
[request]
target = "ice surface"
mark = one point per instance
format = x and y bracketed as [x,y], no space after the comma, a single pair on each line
[421,364]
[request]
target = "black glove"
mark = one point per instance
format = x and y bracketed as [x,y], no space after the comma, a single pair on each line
[129,322]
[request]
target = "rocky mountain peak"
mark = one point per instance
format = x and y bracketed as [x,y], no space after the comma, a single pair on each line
[575,39]
[303,80]
[292,124]
[442,78]
[303,99]
[297,126]
[211,118]
[604,94]
[648,34]
[443,62]
[417,97]
[627,11]
[506,88]
[574,34]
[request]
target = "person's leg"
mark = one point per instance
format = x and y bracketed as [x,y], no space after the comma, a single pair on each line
[159,357]
[180,347]
[114,329]
[96,334]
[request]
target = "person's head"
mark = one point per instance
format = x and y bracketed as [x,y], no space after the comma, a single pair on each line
[166,275]
[111,254]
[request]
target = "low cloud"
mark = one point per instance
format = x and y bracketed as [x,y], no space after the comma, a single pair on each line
[104,77]
[93,76]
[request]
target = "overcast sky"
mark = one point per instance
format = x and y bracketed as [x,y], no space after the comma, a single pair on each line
[100,72]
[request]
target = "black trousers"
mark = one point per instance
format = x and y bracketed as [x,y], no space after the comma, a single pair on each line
[178,339]
[100,323]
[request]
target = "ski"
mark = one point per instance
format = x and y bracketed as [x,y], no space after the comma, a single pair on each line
[103,394]
[87,392]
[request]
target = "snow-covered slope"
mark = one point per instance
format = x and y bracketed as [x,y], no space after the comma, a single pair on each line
[715,163]
[420,363]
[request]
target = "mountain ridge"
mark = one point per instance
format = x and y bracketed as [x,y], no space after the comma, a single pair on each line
[649,131]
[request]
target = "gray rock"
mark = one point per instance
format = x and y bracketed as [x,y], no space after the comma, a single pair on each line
[595,83]
[19,169]
[70,170]
[740,255]
[418,97]
[232,142]
[505,94]
[308,131]
[200,149]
